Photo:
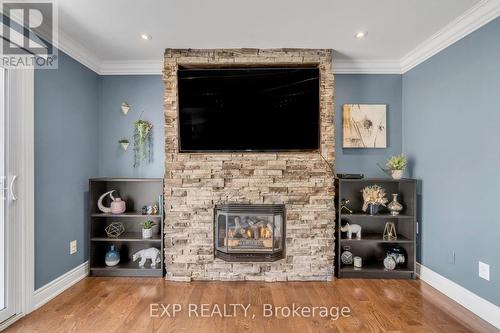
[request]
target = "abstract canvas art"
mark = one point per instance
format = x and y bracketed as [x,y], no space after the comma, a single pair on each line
[364,126]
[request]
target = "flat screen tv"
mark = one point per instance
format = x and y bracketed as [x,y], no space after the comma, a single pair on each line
[248,109]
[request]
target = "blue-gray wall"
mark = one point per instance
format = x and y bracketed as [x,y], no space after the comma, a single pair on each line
[66,140]
[368,89]
[451,132]
[144,93]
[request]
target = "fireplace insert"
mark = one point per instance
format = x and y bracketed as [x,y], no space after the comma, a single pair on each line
[249,232]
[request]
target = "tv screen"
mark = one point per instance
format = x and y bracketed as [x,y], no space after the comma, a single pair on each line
[248,109]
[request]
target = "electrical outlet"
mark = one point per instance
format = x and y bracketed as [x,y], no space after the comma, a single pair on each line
[73,247]
[484,271]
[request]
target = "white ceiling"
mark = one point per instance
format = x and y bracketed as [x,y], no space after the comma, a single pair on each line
[107,33]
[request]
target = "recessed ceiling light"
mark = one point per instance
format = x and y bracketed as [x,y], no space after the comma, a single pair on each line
[361,34]
[146,37]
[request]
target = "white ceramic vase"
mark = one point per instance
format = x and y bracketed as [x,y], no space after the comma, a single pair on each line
[397,174]
[147,233]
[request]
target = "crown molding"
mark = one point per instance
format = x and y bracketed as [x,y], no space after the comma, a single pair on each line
[78,52]
[131,67]
[473,19]
[152,67]
[354,66]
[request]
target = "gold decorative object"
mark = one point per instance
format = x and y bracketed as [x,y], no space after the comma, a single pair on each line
[390,231]
[343,206]
[114,230]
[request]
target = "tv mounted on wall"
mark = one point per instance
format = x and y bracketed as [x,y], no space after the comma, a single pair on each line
[248,109]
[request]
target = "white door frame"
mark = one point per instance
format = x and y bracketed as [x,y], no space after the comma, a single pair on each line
[8,263]
[20,99]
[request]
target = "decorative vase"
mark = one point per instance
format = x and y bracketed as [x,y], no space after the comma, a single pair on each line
[147,233]
[389,263]
[112,257]
[118,206]
[373,209]
[394,206]
[397,174]
[398,254]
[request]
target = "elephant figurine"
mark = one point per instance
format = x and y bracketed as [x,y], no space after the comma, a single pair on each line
[352,229]
[145,254]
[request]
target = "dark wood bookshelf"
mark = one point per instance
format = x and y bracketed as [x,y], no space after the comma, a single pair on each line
[372,247]
[136,192]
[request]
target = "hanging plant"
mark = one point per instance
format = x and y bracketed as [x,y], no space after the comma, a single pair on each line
[143,143]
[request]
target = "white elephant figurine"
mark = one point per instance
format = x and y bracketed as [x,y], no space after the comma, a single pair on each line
[145,254]
[352,229]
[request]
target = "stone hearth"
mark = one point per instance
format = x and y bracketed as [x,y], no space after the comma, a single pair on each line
[196,182]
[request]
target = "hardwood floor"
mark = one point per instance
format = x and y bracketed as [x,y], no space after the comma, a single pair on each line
[125,305]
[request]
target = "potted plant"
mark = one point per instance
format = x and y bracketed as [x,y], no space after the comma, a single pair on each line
[124,143]
[125,108]
[373,198]
[396,165]
[147,229]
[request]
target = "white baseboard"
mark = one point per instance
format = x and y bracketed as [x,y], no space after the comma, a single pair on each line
[52,289]
[472,302]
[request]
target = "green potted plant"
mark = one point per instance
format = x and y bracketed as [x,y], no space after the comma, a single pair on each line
[124,143]
[396,165]
[147,229]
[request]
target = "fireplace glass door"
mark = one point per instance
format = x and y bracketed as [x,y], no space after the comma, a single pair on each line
[249,229]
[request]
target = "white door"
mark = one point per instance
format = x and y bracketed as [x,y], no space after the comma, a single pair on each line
[8,283]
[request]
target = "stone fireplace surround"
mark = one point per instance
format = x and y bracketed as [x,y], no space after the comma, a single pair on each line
[196,182]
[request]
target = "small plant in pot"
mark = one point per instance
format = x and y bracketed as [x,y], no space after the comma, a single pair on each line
[124,143]
[396,165]
[147,229]
[125,108]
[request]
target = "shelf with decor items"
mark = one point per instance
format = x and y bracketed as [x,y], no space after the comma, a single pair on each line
[122,230]
[381,257]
